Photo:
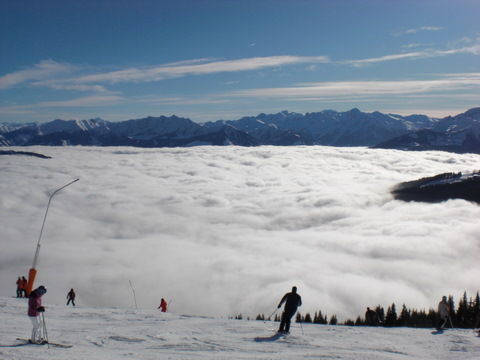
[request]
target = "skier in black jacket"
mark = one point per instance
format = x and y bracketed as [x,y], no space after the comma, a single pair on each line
[71,297]
[292,302]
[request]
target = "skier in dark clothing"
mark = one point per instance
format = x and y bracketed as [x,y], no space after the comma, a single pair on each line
[19,287]
[371,318]
[71,297]
[292,301]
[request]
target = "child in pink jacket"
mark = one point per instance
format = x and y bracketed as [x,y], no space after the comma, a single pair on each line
[34,309]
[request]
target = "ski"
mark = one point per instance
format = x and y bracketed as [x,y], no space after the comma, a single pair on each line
[274,337]
[27,342]
[15,345]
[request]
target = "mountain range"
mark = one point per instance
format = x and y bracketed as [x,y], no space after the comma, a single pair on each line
[460,133]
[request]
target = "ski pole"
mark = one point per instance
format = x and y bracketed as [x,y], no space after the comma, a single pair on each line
[301,327]
[273,313]
[450,319]
[45,329]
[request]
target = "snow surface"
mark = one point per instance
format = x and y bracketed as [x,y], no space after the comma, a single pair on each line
[116,333]
[228,230]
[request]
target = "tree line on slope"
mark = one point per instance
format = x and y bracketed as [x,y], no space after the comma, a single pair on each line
[466,315]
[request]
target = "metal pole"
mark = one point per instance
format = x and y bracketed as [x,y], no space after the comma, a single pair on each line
[32,273]
[35,259]
[134,297]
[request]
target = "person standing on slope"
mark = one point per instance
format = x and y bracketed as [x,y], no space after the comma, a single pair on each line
[163,305]
[19,287]
[24,286]
[443,313]
[292,301]
[371,318]
[71,297]
[35,308]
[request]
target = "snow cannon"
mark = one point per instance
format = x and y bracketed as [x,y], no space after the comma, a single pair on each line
[32,273]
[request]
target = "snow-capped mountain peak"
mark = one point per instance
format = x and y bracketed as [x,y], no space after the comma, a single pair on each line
[328,127]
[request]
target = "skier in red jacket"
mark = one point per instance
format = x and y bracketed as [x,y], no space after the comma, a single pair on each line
[163,305]
[35,308]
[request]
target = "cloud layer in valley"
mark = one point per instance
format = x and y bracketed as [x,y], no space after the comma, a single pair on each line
[226,230]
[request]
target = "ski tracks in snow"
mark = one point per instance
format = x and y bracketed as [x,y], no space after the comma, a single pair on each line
[116,334]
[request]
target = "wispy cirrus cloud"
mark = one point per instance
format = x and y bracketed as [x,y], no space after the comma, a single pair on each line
[58,76]
[179,100]
[65,85]
[86,101]
[411,45]
[429,53]
[410,55]
[209,66]
[313,91]
[15,110]
[419,29]
[43,70]
[162,72]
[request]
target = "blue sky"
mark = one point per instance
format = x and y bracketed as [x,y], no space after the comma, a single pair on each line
[212,59]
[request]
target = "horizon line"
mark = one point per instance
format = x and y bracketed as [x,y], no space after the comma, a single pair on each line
[400,113]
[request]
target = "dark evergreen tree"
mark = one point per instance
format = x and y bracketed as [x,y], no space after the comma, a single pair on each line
[415,318]
[462,312]
[471,314]
[307,318]
[391,318]
[319,318]
[476,311]
[380,314]
[405,317]
[333,320]
[452,313]
[432,318]
[299,317]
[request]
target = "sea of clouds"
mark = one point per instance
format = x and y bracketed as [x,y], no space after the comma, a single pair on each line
[228,230]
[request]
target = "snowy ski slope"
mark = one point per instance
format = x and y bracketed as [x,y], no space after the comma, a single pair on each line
[115,333]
